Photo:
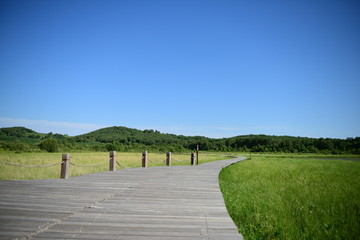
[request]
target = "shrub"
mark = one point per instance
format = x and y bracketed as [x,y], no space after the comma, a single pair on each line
[49,145]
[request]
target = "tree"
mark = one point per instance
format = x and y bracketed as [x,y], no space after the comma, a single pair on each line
[49,145]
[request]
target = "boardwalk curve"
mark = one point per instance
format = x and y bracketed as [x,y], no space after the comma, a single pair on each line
[175,203]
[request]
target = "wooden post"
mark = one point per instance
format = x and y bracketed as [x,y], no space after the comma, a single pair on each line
[168,159]
[197,154]
[144,158]
[192,158]
[65,166]
[112,165]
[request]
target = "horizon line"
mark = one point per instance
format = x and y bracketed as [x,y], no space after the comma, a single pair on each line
[75,128]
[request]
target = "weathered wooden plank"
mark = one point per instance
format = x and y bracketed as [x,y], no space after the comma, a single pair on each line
[179,202]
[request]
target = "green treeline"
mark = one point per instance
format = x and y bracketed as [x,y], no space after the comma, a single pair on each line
[124,139]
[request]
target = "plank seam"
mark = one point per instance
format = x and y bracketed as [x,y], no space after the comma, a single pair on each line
[45,227]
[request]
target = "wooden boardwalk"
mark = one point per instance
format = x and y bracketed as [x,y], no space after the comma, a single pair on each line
[175,203]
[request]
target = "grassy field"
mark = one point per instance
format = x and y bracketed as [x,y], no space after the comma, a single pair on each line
[126,160]
[294,196]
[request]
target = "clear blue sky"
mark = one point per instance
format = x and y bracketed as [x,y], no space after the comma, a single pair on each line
[192,67]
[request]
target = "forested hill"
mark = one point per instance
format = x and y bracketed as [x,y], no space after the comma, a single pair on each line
[128,139]
[124,136]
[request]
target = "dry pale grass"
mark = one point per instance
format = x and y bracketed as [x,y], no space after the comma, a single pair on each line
[99,161]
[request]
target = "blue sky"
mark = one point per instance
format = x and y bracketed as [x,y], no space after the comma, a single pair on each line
[200,67]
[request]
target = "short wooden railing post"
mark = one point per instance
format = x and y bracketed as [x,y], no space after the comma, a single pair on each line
[144,159]
[168,159]
[65,166]
[197,154]
[112,165]
[193,159]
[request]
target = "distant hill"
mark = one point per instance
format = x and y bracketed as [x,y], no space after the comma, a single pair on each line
[129,139]
[128,136]
[20,134]
[16,131]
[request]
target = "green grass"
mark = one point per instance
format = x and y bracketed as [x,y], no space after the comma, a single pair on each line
[294,197]
[91,158]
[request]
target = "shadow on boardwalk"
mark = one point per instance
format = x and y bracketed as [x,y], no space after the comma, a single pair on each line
[179,202]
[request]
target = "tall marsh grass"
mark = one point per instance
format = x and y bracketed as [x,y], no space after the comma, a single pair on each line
[294,197]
